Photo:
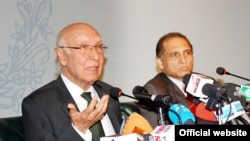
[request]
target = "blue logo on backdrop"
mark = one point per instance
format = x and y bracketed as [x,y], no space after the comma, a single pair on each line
[27,54]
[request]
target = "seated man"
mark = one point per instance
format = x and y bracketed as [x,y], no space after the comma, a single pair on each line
[174,57]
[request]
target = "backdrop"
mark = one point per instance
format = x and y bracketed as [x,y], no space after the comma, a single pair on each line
[218,29]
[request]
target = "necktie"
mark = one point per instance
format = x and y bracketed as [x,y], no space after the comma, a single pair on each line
[96,130]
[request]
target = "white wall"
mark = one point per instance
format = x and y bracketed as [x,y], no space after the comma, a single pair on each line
[218,30]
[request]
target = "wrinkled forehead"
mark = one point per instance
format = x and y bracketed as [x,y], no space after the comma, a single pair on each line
[83,37]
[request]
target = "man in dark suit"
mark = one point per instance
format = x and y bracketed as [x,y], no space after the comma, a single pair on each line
[174,58]
[57,111]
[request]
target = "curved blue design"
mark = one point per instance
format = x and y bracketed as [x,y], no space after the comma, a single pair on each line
[29,51]
[180,115]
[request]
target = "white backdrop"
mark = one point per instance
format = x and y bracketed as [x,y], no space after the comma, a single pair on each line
[218,29]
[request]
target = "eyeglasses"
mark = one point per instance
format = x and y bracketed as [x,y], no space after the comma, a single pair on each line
[89,48]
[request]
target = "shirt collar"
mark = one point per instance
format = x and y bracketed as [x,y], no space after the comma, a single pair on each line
[178,83]
[73,88]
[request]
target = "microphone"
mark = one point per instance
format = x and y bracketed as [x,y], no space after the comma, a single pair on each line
[203,113]
[181,115]
[233,92]
[163,133]
[205,110]
[136,124]
[159,100]
[213,89]
[222,71]
[117,92]
[215,100]
[215,95]
[194,83]
[230,110]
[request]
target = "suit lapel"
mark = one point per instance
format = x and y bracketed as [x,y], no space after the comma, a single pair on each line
[63,95]
[174,91]
[102,89]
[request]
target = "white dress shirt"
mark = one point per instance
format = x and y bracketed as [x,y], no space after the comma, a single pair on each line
[179,84]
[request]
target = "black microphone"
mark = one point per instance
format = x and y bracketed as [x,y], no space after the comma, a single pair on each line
[234,93]
[214,96]
[222,71]
[160,100]
[211,89]
[214,91]
[117,92]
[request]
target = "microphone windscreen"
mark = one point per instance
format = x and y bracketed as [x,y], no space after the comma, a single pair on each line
[115,92]
[195,84]
[180,115]
[205,114]
[221,81]
[139,90]
[220,71]
[136,124]
[207,89]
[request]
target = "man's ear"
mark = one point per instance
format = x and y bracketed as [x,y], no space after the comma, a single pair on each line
[60,54]
[159,62]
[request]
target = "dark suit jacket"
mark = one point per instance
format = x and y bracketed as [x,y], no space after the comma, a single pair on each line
[162,85]
[45,112]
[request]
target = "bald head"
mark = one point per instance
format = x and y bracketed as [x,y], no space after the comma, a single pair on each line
[80,59]
[70,32]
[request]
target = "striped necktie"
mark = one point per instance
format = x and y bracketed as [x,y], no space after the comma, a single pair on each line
[96,130]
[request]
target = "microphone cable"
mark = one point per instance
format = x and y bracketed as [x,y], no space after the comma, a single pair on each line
[243,121]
